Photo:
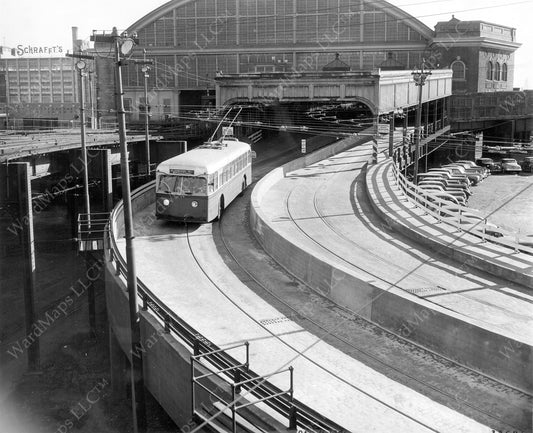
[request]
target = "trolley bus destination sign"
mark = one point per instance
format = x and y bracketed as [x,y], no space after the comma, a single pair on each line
[181,171]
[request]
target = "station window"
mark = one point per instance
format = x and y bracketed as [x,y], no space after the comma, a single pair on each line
[498,72]
[490,71]
[504,72]
[459,70]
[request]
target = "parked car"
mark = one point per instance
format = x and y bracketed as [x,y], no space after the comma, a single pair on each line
[448,175]
[527,164]
[456,192]
[471,164]
[446,184]
[473,177]
[509,165]
[480,171]
[489,163]
[444,196]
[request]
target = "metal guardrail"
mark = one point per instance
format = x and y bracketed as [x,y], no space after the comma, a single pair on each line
[277,399]
[237,385]
[92,230]
[462,218]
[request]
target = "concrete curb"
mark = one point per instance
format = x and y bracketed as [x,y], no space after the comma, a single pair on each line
[472,253]
[469,344]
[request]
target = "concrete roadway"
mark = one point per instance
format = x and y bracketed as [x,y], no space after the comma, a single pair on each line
[323,371]
[310,207]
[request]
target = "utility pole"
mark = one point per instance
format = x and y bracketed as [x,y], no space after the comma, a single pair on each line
[123,45]
[420,79]
[145,70]
[80,66]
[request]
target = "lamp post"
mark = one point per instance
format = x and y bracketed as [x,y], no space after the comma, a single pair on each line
[145,69]
[420,78]
[123,46]
[80,66]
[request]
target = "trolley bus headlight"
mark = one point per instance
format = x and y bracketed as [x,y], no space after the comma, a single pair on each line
[194,203]
[166,202]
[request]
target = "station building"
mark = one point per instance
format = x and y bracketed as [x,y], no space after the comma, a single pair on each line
[194,41]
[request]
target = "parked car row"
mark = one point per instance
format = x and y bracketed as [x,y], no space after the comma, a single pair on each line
[451,182]
[507,165]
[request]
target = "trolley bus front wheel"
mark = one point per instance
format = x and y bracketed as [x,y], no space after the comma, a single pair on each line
[220,208]
[243,186]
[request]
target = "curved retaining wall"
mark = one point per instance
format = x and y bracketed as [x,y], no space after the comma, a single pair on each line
[166,360]
[423,323]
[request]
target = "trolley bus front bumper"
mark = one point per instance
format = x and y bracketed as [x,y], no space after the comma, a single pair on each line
[181,208]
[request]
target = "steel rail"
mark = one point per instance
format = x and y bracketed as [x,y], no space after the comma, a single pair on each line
[307,418]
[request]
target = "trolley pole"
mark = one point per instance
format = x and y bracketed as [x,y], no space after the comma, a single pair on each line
[123,45]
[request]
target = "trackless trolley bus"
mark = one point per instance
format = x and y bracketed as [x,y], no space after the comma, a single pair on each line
[197,185]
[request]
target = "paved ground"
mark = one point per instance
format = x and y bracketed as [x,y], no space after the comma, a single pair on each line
[506,200]
[153,267]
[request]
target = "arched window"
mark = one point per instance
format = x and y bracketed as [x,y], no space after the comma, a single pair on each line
[504,72]
[490,71]
[458,68]
[498,72]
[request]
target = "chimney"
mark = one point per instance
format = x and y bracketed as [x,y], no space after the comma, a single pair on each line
[75,41]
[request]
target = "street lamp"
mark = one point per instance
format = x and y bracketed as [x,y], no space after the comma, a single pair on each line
[145,69]
[419,78]
[80,66]
[123,46]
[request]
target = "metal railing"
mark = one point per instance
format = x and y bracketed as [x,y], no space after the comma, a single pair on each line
[462,218]
[275,398]
[237,384]
[92,229]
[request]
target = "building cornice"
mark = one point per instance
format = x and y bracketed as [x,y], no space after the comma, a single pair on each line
[482,42]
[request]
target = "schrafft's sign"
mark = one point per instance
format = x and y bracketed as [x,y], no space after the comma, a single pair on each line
[23,50]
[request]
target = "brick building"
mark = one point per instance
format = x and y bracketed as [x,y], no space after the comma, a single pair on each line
[40,91]
[481,54]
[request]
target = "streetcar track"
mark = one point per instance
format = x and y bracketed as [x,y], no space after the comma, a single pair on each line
[333,334]
[388,263]
[252,279]
[298,352]
[391,284]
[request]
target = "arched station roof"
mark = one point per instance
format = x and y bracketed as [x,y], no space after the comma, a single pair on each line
[382,5]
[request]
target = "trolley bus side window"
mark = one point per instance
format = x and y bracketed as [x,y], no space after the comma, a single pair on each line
[230,170]
[212,182]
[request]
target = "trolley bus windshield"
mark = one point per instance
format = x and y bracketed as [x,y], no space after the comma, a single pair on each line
[182,185]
